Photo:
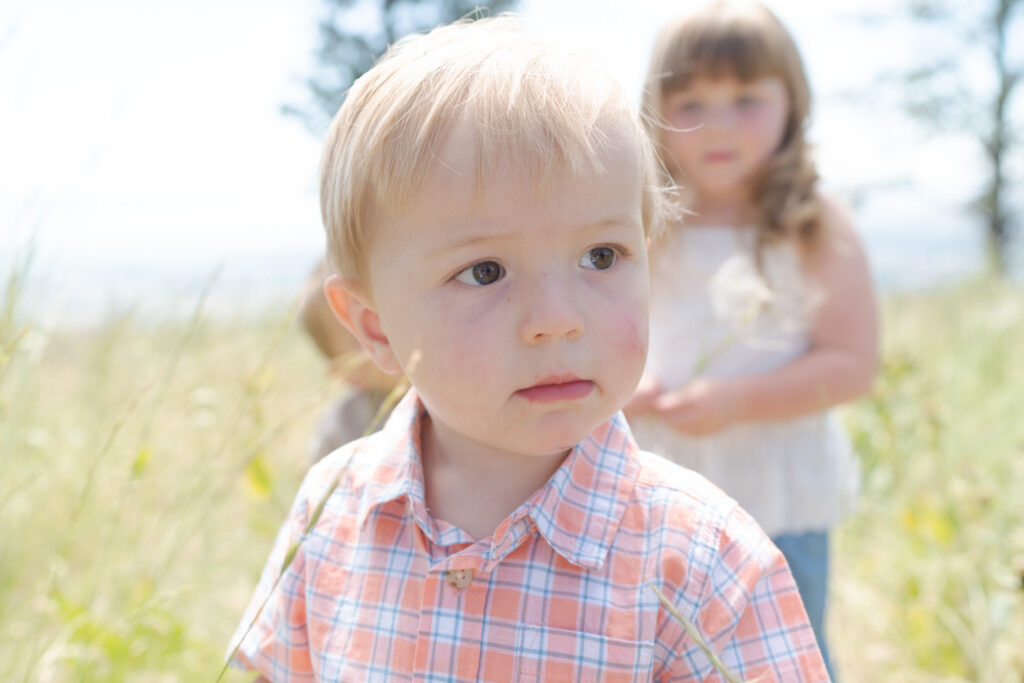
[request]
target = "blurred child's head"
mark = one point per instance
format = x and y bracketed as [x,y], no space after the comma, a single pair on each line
[736,50]
[487,200]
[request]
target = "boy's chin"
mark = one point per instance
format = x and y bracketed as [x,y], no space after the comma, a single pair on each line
[560,438]
[537,442]
[551,449]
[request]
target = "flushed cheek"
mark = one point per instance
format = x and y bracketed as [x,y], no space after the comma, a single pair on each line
[627,336]
[683,150]
[766,135]
[467,354]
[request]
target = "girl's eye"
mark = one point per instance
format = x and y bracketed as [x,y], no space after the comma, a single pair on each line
[746,102]
[483,273]
[598,258]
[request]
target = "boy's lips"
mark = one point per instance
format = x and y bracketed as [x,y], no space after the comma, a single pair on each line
[557,388]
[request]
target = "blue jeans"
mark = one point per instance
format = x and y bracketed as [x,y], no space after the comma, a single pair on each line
[807,555]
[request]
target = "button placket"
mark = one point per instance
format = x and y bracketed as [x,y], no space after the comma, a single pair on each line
[458,578]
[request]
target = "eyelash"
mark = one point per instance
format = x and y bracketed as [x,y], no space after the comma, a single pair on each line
[619,251]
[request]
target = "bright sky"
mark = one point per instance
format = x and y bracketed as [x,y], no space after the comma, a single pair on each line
[142,144]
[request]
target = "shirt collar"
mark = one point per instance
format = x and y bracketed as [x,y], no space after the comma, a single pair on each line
[395,451]
[578,510]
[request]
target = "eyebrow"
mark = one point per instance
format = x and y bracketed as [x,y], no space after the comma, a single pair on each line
[509,234]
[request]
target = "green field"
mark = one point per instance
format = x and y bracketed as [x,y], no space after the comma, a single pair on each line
[144,469]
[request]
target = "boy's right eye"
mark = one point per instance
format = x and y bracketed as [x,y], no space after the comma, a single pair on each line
[483,273]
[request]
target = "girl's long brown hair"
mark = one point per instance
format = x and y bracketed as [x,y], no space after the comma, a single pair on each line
[746,41]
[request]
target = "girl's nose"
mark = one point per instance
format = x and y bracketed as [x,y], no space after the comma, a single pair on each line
[551,312]
[720,117]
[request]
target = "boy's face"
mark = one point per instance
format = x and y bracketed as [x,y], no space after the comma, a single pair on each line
[522,322]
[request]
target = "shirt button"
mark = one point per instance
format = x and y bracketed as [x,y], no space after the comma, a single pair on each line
[459,578]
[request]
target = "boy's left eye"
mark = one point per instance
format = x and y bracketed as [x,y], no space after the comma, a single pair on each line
[598,258]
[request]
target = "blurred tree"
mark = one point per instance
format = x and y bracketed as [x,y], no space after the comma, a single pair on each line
[968,84]
[354,33]
[7,32]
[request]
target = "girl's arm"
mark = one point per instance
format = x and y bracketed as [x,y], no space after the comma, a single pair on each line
[839,366]
[642,402]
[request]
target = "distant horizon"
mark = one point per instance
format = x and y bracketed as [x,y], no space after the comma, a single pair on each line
[63,295]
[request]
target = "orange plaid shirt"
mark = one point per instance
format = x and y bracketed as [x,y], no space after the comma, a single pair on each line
[379,590]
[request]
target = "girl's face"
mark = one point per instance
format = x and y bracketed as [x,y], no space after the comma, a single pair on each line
[723,133]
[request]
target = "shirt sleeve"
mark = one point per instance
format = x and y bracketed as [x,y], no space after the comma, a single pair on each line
[272,637]
[753,611]
[741,598]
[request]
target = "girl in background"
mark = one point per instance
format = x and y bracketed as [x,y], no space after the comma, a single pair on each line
[763,315]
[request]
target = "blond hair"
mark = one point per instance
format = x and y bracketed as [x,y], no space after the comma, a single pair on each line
[539,112]
[746,41]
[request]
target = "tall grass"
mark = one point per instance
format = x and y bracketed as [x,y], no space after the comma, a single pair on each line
[144,469]
[929,574]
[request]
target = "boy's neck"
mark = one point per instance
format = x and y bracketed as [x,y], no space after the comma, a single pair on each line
[475,486]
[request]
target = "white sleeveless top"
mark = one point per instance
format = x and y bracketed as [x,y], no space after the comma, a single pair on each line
[713,314]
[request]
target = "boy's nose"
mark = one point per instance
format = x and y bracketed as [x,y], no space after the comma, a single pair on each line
[551,313]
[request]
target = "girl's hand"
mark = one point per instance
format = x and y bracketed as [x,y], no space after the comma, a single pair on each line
[704,406]
[642,403]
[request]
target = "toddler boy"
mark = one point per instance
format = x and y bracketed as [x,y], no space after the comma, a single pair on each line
[487,201]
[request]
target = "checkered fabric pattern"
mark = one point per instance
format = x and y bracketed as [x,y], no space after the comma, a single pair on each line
[378,590]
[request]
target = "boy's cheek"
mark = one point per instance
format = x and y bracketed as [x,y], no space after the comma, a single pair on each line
[630,320]
[630,335]
[466,349]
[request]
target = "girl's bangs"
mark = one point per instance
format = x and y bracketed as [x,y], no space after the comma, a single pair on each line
[723,50]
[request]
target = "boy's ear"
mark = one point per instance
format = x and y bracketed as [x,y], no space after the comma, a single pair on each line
[353,310]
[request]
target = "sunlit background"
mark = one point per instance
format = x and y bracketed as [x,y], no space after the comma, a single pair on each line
[144,152]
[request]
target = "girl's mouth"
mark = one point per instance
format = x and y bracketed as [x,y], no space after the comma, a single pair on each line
[718,157]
